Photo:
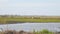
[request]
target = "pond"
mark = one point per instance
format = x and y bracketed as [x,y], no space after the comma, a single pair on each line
[31,26]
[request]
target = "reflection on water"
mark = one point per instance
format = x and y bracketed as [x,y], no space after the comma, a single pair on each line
[31,26]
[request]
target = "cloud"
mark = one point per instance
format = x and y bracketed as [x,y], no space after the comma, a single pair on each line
[6,7]
[3,3]
[32,5]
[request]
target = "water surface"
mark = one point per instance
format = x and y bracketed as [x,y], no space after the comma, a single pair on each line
[31,26]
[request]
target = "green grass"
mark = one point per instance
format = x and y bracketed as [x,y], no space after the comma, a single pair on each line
[44,31]
[38,20]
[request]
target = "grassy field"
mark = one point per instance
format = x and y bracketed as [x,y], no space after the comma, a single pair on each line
[5,20]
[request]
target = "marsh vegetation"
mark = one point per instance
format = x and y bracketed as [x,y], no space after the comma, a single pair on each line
[31,19]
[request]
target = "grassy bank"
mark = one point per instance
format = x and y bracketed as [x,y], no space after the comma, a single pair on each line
[5,20]
[44,31]
[24,32]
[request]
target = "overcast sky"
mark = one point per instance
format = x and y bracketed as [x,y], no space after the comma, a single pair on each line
[30,7]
